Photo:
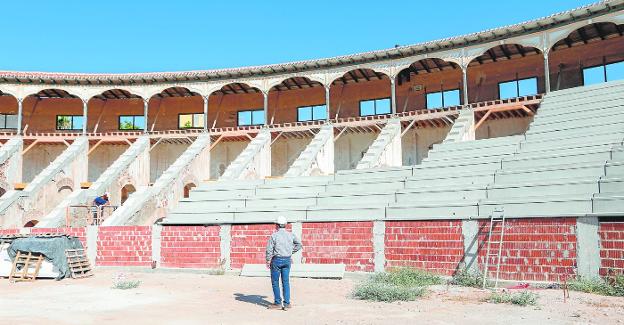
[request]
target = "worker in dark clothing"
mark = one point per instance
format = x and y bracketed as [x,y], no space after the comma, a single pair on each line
[99,203]
[280,248]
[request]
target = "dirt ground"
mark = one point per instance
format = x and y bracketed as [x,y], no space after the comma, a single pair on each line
[186,298]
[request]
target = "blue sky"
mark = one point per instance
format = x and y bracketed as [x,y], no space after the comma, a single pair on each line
[140,36]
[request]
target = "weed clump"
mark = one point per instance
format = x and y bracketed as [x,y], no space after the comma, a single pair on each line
[606,287]
[523,298]
[402,284]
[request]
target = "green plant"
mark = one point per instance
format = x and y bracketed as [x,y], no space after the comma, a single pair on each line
[606,287]
[126,284]
[371,290]
[467,278]
[408,277]
[523,298]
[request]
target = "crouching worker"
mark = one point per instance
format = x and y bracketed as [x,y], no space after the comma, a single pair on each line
[98,208]
[280,248]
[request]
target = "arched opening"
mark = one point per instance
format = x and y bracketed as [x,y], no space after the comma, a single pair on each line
[31,223]
[176,108]
[506,71]
[237,104]
[297,99]
[52,110]
[591,54]
[187,189]
[360,92]
[2,191]
[429,84]
[8,112]
[126,191]
[117,110]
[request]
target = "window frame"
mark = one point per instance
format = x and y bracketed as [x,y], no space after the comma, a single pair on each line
[4,127]
[71,122]
[133,123]
[604,65]
[374,100]
[441,92]
[251,117]
[312,112]
[517,81]
[192,127]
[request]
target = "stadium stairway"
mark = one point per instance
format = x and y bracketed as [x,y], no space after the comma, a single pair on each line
[10,148]
[308,159]
[75,152]
[568,163]
[388,142]
[137,207]
[256,152]
[56,218]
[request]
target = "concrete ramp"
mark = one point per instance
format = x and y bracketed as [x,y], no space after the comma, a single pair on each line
[386,150]
[325,271]
[143,204]
[463,128]
[318,155]
[71,162]
[56,217]
[254,161]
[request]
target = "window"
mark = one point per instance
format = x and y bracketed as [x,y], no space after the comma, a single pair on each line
[69,122]
[311,113]
[375,107]
[444,98]
[517,88]
[8,121]
[191,121]
[131,122]
[251,117]
[603,73]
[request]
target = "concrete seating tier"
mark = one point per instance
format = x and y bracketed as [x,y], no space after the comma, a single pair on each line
[570,162]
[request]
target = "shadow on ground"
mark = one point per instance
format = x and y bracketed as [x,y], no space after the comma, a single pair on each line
[252,299]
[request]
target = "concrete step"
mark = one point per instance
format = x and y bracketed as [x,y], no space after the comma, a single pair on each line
[539,206]
[576,186]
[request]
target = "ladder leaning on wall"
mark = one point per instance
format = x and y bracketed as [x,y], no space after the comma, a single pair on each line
[497,217]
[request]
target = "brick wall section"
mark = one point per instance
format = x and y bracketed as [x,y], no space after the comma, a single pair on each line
[611,248]
[436,246]
[81,233]
[124,246]
[248,245]
[190,247]
[533,249]
[9,231]
[339,242]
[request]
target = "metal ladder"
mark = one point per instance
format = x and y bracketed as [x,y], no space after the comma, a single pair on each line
[497,217]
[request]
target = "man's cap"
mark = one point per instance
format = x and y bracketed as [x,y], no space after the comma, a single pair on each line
[281,220]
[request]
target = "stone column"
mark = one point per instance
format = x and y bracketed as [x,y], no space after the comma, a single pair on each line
[85,108]
[465,84]
[205,113]
[225,234]
[145,110]
[587,246]
[19,115]
[327,102]
[379,245]
[393,95]
[156,241]
[92,235]
[546,73]
[470,232]
[266,107]
[297,230]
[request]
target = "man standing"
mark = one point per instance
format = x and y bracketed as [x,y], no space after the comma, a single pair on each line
[280,248]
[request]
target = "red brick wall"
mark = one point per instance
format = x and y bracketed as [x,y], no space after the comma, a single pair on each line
[611,247]
[435,246]
[534,249]
[81,233]
[9,231]
[190,246]
[248,245]
[350,243]
[124,246]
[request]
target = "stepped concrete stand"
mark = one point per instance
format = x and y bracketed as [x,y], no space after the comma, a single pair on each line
[254,162]
[68,169]
[464,127]
[152,202]
[318,157]
[386,150]
[11,163]
[135,161]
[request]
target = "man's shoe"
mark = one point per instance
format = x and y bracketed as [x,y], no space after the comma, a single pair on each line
[274,306]
[286,307]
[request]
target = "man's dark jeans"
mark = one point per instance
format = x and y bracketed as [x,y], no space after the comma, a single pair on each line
[280,266]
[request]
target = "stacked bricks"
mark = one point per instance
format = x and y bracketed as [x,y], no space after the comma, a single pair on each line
[248,244]
[533,249]
[350,243]
[80,233]
[435,246]
[611,248]
[190,247]
[124,246]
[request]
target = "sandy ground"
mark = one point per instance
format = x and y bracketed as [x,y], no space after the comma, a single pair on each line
[185,298]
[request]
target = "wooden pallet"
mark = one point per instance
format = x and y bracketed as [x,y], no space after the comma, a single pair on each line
[78,263]
[27,261]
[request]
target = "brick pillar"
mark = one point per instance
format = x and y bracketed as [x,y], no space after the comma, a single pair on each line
[226,241]
[379,245]
[156,243]
[587,246]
